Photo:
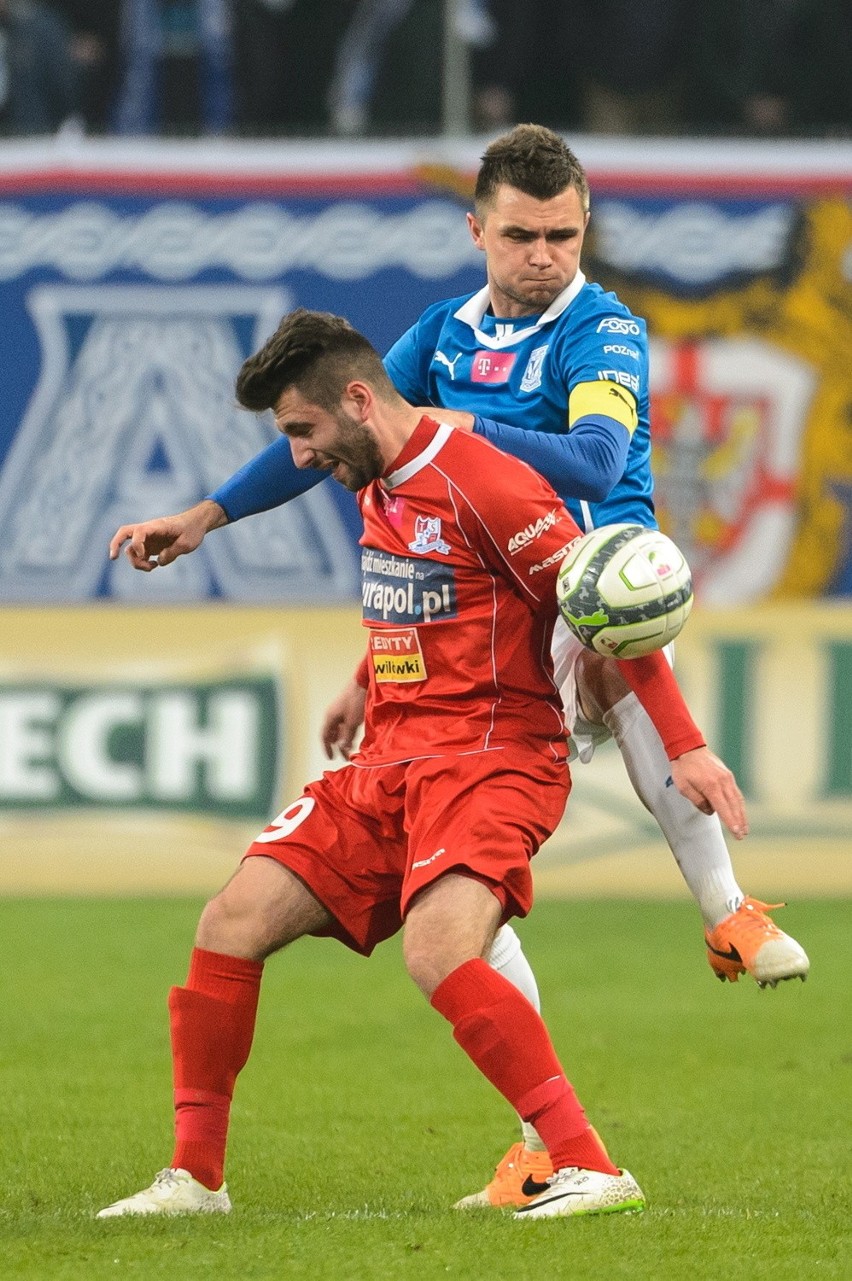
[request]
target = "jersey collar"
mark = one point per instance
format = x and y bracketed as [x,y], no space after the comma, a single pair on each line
[426,443]
[472,311]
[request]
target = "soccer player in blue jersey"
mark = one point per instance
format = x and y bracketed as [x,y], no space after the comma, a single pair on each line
[558,369]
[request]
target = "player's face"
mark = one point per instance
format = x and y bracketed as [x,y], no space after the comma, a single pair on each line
[334,441]
[532,248]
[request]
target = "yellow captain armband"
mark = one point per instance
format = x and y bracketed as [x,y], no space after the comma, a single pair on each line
[603,397]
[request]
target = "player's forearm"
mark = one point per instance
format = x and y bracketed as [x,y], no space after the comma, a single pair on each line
[267,480]
[653,682]
[206,515]
[584,463]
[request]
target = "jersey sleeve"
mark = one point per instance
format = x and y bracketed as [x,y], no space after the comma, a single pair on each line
[409,362]
[403,364]
[362,672]
[610,347]
[653,682]
[584,463]
[267,480]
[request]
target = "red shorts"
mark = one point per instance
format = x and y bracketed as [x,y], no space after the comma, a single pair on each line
[366,839]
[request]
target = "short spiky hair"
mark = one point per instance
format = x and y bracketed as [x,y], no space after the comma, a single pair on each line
[316,352]
[536,161]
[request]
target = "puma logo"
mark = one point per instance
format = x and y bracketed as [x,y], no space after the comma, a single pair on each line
[451,364]
[613,391]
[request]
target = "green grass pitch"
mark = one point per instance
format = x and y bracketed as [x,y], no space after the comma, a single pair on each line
[358,1121]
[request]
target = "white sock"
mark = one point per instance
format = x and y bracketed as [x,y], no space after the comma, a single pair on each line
[695,839]
[507,958]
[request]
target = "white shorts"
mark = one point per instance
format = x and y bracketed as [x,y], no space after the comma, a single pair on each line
[583,736]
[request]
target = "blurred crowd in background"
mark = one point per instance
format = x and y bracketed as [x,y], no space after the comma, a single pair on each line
[289,68]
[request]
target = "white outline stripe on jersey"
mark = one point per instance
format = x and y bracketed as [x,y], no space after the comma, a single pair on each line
[486,529]
[428,756]
[495,681]
[453,485]
[436,444]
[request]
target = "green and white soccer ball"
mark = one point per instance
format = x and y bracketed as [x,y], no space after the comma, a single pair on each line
[624,590]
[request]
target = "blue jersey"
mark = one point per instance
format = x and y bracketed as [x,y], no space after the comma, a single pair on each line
[567,392]
[521,375]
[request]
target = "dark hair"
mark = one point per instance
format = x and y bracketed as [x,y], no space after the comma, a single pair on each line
[536,161]
[318,353]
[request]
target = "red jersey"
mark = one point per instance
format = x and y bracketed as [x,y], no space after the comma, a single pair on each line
[461,547]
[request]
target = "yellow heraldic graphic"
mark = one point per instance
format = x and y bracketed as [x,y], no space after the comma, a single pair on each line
[397,655]
[801,314]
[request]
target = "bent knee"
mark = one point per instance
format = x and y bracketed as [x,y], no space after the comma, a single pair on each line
[427,969]
[234,926]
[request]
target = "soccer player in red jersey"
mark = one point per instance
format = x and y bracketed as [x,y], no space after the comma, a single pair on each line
[461,775]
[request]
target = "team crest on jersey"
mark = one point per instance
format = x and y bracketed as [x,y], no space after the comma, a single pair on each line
[532,374]
[427,536]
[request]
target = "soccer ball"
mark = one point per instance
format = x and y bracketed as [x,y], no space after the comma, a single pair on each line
[624,590]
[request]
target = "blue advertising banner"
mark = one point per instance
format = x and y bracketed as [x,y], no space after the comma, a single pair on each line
[129,301]
[135,279]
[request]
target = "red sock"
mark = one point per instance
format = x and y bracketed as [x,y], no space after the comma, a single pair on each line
[506,1038]
[212,1024]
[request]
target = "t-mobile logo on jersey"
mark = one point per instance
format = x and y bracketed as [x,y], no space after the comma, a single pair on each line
[492,366]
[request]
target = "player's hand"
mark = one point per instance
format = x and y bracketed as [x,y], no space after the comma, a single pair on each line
[706,781]
[151,543]
[343,718]
[454,417]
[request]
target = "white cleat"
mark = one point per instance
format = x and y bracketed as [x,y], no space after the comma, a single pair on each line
[575,1191]
[172,1192]
[780,959]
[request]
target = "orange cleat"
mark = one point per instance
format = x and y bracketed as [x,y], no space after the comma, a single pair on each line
[749,942]
[520,1176]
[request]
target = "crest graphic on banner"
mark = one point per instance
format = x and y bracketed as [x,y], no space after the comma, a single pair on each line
[134,416]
